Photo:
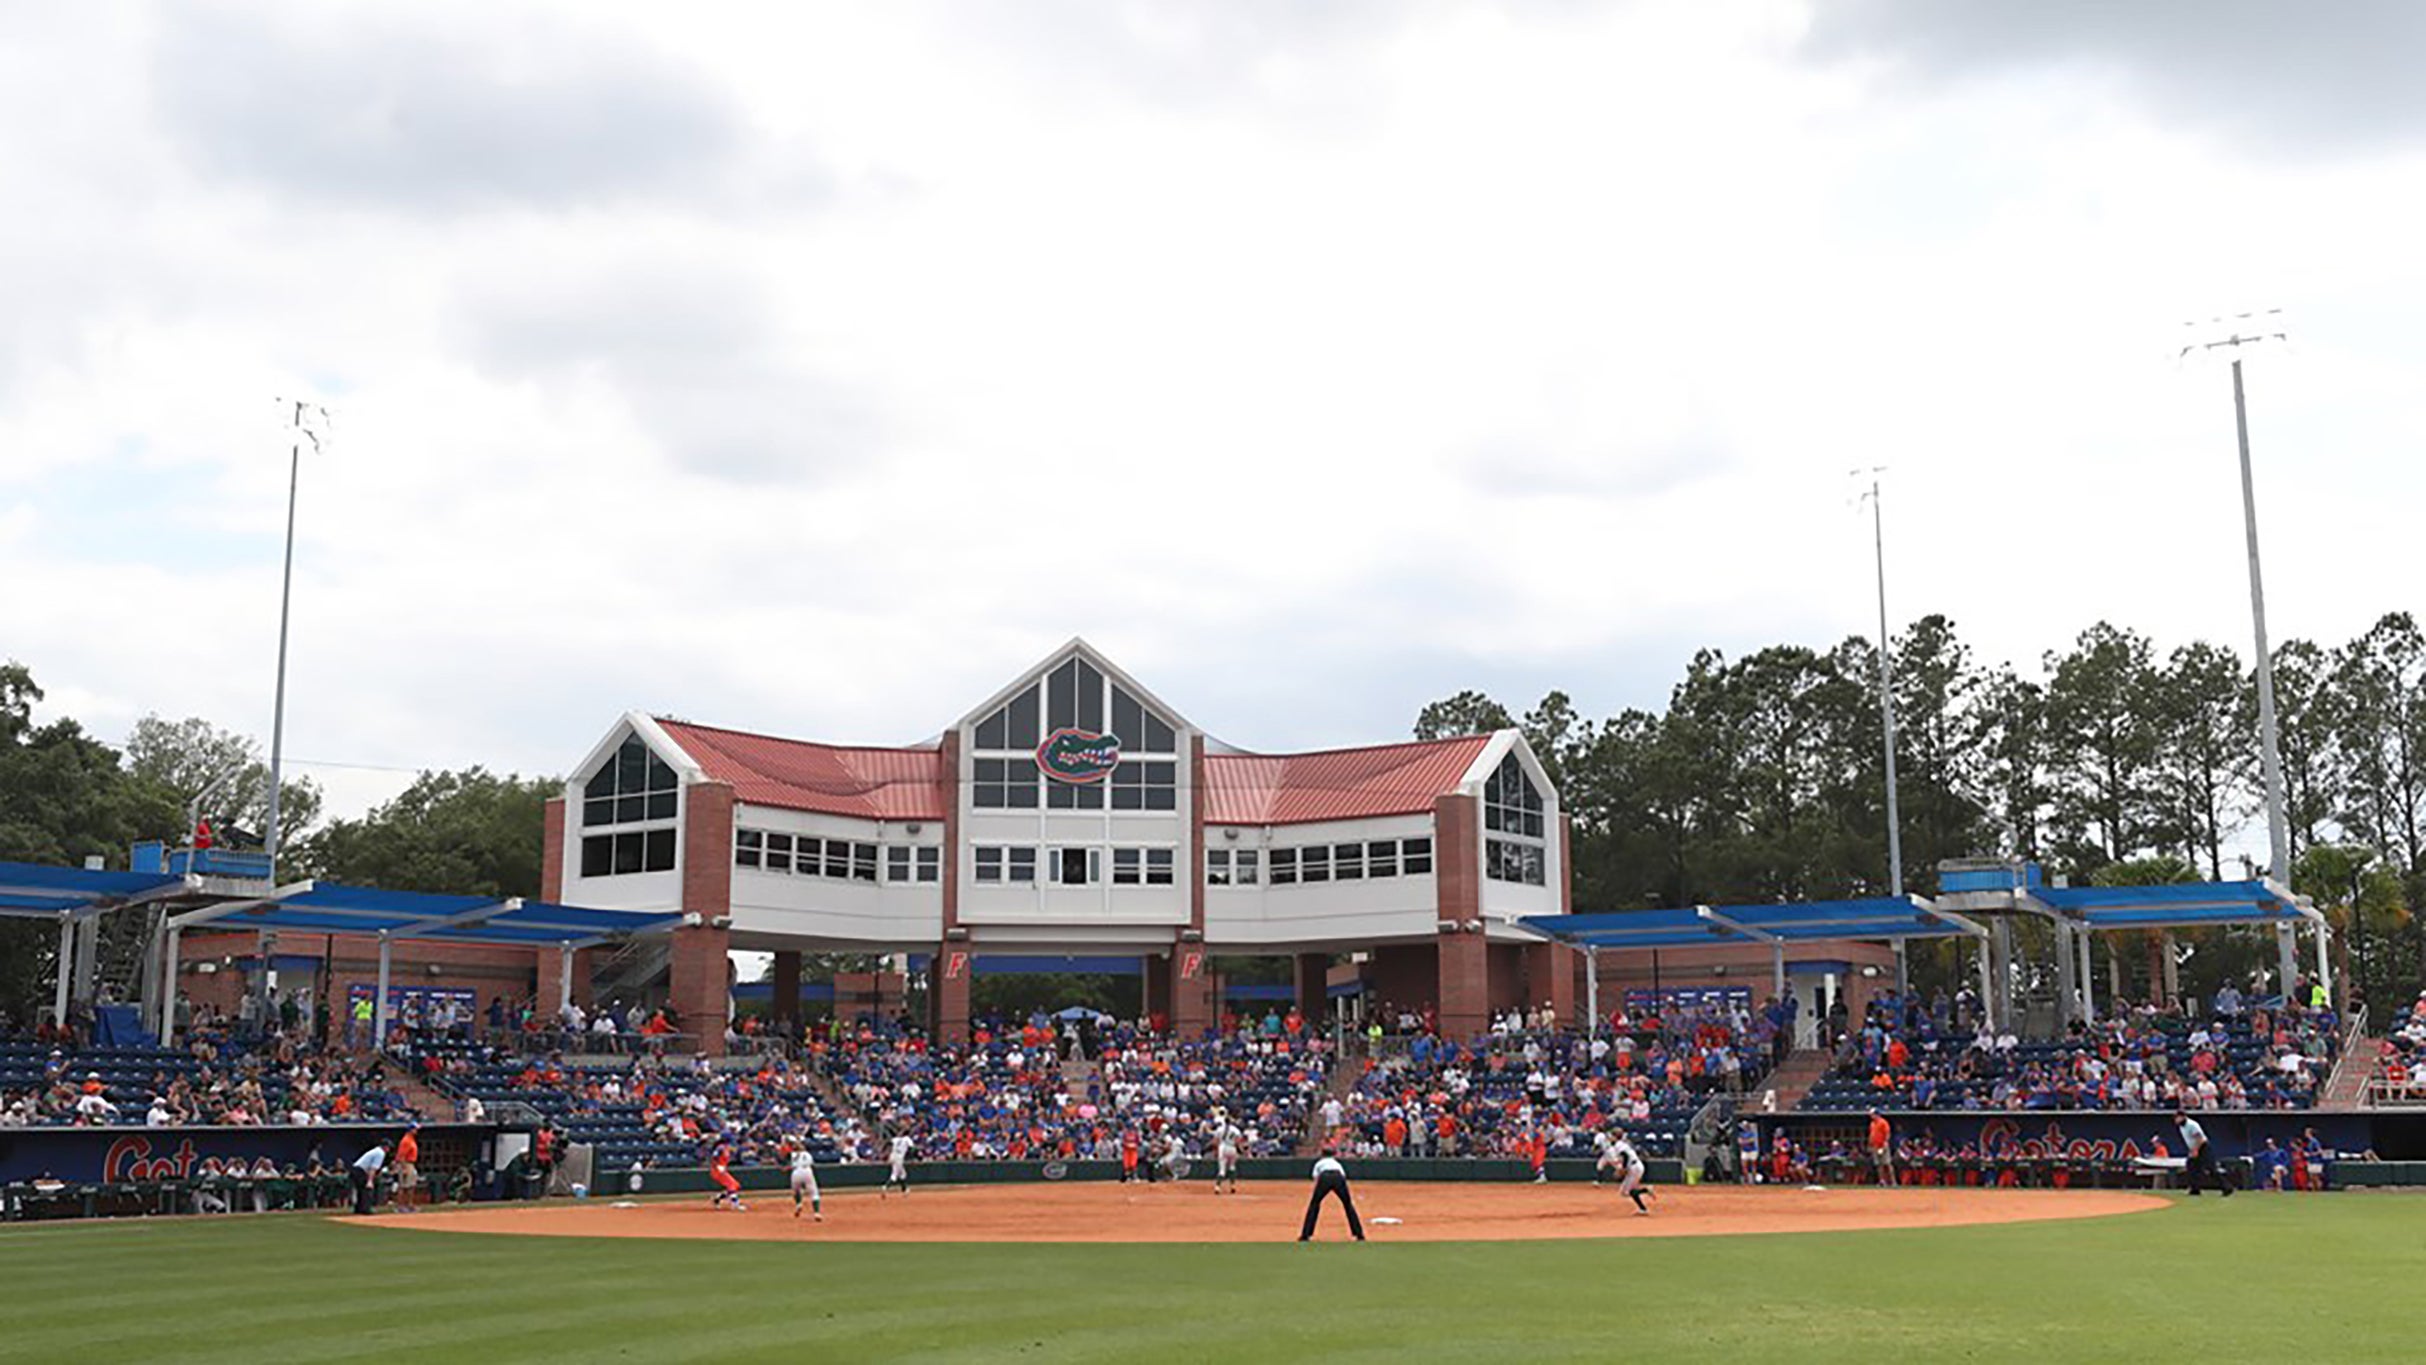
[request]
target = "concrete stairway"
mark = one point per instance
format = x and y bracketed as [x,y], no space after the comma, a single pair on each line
[2346,1087]
[1791,1081]
[435,1106]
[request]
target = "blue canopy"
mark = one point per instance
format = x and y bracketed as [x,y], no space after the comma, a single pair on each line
[2175,905]
[31,890]
[1877,917]
[333,908]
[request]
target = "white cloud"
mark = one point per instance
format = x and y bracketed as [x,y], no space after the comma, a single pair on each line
[813,369]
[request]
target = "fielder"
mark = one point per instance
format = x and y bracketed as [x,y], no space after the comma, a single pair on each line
[1617,1154]
[900,1174]
[804,1183]
[1225,1153]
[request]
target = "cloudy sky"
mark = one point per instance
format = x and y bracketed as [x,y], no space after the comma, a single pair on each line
[813,368]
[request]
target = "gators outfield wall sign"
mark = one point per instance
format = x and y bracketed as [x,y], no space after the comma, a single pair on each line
[1078,756]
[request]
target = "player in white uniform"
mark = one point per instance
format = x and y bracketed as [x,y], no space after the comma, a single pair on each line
[900,1174]
[1621,1156]
[804,1183]
[1225,1153]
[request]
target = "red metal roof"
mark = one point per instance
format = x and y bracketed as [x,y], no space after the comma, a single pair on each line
[832,779]
[1335,784]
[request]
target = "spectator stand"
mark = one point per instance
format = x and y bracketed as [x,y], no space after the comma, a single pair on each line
[73,898]
[389,916]
[1776,927]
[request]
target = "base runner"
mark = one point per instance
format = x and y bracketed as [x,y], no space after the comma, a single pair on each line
[804,1183]
[728,1190]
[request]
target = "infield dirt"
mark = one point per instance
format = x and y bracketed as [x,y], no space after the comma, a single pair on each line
[1270,1211]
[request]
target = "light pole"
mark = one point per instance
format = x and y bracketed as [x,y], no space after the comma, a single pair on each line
[1886,714]
[286,595]
[2270,749]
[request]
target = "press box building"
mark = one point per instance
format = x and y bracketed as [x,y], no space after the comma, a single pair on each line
[1074,812]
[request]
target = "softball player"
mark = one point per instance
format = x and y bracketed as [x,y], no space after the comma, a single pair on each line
[900,1174]
[804,1183]
[1629,1162]
[728,1190]
[1225,1154]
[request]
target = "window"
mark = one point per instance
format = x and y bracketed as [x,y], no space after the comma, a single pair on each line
[1141,784]
[1073,866]
[1415,856]
[1217,867]
[1348,862]
[1243,866]
[1158,866]
[897,862]
[930,864]
[747,844]
[1512,813]
[1006,783]
[632,850]
[1314,864]
[633,787]
[1127,867]
[1284,866]
[1511,803]
[779,852]
[1381,858]
[863,862]
[989,864]
[1068,795]
[1077,695]
[1020,865]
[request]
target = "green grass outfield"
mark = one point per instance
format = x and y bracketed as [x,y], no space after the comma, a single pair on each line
[2334,1278]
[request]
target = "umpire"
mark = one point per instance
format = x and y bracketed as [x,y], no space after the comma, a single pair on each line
[1330,1178]
[2199,1164]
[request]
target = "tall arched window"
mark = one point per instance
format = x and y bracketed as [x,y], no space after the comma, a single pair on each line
[1075,696]
[1515,847]
[627,813]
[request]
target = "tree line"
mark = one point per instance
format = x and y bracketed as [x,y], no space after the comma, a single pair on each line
[1763,777]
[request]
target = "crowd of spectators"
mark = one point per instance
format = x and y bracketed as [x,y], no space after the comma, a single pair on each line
[1528,1089]
[1007,1093]
[2400,1074]
[211,1078]
[2235,1054]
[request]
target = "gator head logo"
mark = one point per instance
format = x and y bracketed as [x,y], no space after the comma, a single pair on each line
[1080,756]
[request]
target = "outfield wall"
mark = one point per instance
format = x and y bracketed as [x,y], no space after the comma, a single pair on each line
[867,1175]
[2099,1134]
[84,1156]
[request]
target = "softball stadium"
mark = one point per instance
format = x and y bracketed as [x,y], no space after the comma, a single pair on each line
[1383,1090]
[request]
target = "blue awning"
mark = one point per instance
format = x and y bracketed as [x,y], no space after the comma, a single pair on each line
[2175,905]
[38,890]
[1876,917]
[370,912]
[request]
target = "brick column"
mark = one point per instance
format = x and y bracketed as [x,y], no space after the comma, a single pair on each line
[948,989]
[551,850]
[547,979]
[1190,990]
[1314,987]
[785,978]
[702,986]
[948,975]
[1465,960]
[702,977]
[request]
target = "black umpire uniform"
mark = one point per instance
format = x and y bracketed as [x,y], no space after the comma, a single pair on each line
[1331,1178]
